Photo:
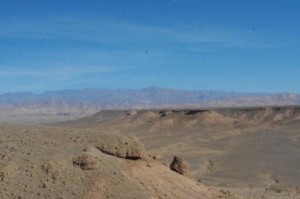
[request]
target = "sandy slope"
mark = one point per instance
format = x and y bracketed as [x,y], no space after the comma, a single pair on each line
[42,162]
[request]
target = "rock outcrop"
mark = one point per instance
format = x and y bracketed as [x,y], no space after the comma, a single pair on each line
[127,147]
[180,166]
[85,162]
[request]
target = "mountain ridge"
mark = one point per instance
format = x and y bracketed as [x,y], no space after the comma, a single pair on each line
[73,104]
[91,93]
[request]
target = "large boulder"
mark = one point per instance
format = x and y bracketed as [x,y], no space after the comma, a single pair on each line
[180,166]
[127,147]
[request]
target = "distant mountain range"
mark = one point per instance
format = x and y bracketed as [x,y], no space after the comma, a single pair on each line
[78,103]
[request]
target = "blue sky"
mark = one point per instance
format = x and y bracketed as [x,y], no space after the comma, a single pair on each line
[192,44]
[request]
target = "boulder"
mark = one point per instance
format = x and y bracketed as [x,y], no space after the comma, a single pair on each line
[180,166]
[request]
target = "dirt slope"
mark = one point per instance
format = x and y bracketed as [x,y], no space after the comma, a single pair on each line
[48,162]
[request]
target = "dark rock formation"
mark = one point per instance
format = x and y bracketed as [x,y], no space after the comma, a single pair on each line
[180,166]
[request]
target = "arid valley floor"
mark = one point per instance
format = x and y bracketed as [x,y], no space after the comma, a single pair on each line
[232,152]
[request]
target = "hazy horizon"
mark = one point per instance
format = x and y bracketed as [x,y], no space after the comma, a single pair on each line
[248,46]
[144,88]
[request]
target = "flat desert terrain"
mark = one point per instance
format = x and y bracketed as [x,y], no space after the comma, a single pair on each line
[231,152]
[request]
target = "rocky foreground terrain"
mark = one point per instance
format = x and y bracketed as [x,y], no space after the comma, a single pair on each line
[48,162]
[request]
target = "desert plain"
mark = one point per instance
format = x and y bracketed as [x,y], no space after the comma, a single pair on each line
[244,152]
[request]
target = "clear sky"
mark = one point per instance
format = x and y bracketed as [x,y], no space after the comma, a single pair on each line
[231,45]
